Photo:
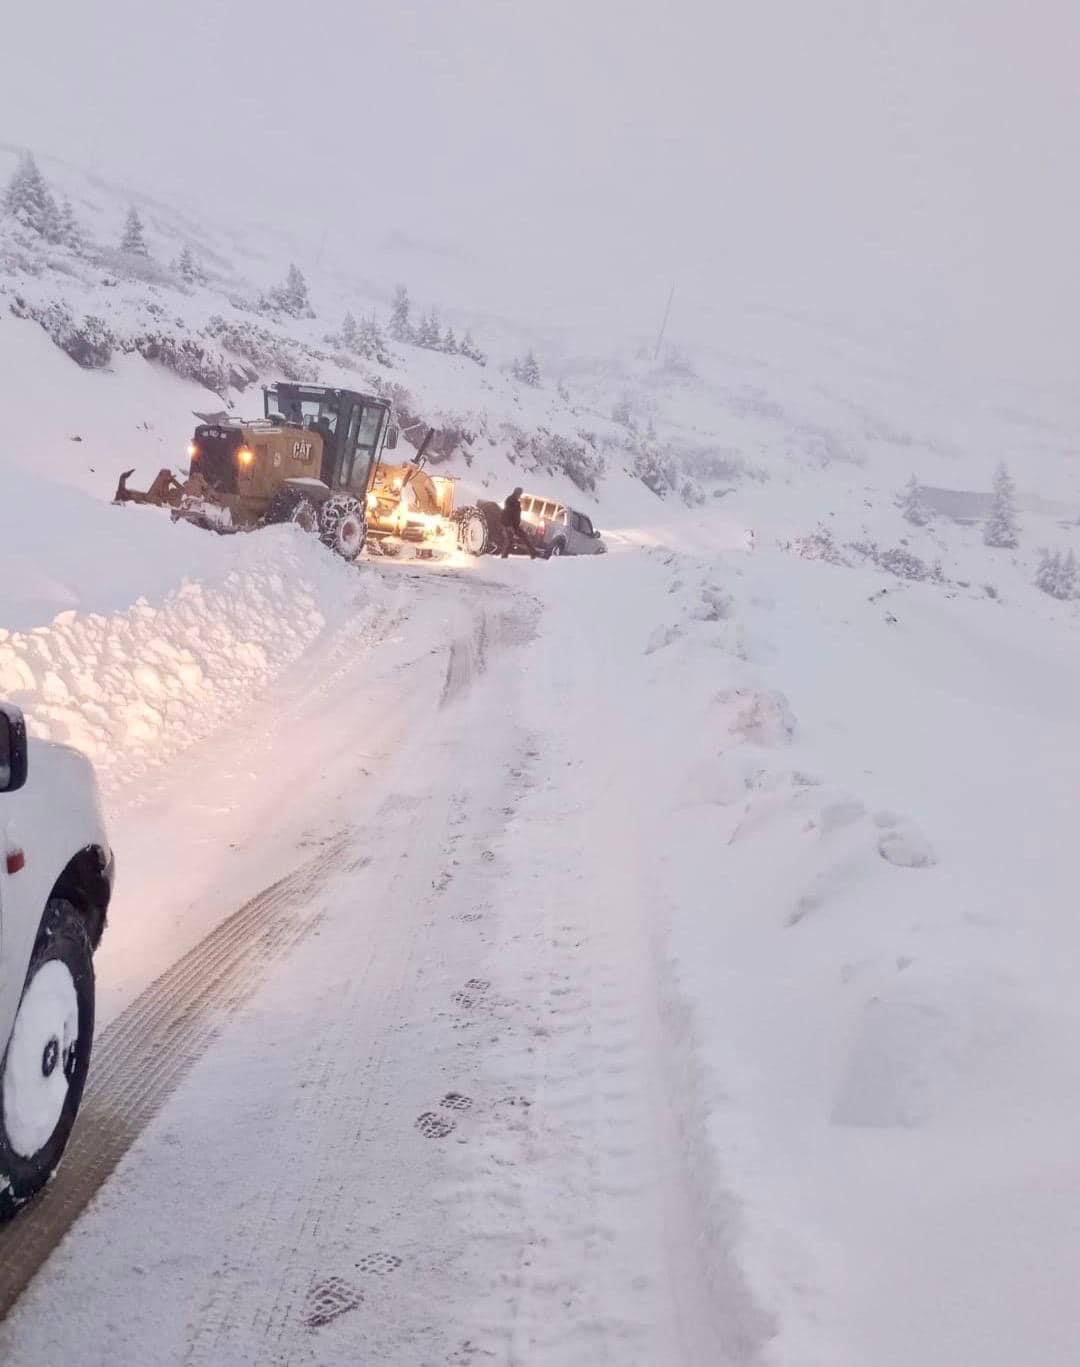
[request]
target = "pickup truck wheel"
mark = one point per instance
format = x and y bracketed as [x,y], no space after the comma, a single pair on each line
[45,1064]
[558,548]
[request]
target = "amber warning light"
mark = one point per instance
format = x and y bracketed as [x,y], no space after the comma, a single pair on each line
[246,456]
[193,450]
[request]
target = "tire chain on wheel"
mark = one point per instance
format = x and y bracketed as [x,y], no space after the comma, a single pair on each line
[335,512]
[463,516]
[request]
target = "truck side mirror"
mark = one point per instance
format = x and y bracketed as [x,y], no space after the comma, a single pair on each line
[13,757]
[391,438]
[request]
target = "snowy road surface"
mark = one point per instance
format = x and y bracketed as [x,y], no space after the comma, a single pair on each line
[417,1104]
[638,960]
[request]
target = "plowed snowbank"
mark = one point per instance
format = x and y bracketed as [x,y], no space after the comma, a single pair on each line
[132,687]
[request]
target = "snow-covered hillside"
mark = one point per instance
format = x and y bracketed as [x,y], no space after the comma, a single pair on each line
[797,770]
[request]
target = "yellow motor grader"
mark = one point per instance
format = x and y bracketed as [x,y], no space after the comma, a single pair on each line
[315,458]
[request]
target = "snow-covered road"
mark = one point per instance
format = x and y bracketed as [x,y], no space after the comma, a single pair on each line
[637,960]
[424,1102]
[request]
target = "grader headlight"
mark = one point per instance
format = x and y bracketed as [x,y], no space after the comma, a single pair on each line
[245,457]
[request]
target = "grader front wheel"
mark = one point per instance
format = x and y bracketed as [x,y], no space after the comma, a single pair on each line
[343,526]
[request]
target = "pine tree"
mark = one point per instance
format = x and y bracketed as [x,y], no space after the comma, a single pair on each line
[373,342]
[69,232]
[430,334]
[471,350]
[187,268]
[30,202]
[530,371]
[1057,574]
[350,334]
[295,298]
[450,343]
[400,325]
[133,242]
[1001,529]
[913,504]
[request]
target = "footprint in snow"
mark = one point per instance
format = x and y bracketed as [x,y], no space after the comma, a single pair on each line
[432,1125]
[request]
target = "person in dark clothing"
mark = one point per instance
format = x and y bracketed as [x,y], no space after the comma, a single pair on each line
[512,530]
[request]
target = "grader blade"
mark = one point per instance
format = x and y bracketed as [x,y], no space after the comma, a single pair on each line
[165,492]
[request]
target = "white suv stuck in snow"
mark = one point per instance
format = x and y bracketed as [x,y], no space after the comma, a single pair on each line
[56,874]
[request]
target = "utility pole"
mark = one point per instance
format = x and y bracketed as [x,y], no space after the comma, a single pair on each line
[663,325]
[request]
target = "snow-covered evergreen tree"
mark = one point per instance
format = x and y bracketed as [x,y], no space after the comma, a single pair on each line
[188,268]
[69,234]
[373,342]
[401,328]
[295,297]
[529,372]
[29,200]
[350,333]
[430,332]
[133,241]
[1057,574]
[450,343]
[471,351]
[1001,528]
[913,505]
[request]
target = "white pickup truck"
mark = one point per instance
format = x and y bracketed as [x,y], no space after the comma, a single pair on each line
[56,873]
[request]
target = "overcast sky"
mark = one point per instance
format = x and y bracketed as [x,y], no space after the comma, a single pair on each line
[888,161]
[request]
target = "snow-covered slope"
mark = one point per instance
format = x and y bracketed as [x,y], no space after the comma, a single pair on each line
[854,737]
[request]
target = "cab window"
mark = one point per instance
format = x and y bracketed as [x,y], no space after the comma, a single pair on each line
[366,423]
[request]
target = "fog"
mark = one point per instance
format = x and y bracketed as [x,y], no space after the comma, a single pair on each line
[905,167]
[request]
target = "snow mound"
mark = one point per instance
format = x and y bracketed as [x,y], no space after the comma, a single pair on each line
[902,843]
[761,717]
[131,688]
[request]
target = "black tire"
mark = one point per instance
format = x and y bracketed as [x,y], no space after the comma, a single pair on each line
[282,503]
[343,526]
[27,1159]
[474,531]
[492,515]
[557,548]
[290,505]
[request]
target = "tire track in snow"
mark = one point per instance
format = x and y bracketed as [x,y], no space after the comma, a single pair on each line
[141,1059]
